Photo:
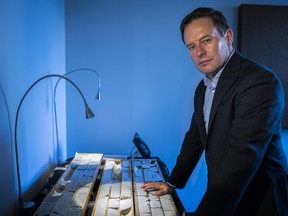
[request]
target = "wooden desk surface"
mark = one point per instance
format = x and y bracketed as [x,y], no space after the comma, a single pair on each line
[72,192]
[107,186]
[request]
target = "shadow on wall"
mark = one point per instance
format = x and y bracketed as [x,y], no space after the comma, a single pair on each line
[6,155]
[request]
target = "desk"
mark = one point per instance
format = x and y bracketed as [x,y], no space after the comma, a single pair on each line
[107,186]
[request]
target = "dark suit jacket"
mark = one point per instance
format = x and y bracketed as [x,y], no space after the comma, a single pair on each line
[247,167]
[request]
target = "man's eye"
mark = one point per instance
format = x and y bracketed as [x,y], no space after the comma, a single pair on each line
[206,41]
[191,47]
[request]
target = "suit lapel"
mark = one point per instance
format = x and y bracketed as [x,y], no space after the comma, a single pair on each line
[199,102]
[226,80]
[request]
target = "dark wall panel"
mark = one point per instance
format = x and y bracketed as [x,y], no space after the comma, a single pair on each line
[263,36]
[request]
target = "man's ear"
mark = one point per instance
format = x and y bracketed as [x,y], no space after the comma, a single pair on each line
[229,36]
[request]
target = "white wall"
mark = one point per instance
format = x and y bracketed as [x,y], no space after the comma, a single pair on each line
[148,80]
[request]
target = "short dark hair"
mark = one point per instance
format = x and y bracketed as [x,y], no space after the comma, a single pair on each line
[217,18]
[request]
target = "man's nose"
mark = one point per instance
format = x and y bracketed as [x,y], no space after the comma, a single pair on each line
[200,51]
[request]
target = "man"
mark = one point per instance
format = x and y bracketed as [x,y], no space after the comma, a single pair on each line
[237,116]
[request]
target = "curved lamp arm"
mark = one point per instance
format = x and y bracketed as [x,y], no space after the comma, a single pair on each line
[97,97]
[98,94]
[89,114]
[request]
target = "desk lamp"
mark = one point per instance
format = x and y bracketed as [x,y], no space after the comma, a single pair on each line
[97,97]
[89,114]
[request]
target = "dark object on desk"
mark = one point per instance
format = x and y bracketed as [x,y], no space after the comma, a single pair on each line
[145,152]
[141,146]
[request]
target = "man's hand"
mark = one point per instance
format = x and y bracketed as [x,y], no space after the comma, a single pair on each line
[161,188]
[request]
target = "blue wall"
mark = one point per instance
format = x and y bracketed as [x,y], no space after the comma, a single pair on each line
[148,80]
[32,42]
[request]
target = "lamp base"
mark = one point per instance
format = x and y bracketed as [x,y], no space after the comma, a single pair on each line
[28,208]
[28,205]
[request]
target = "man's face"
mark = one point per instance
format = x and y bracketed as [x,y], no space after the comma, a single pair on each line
[207,48]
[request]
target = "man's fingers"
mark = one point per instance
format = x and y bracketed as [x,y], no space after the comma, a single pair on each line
[147,186]
[158,189]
